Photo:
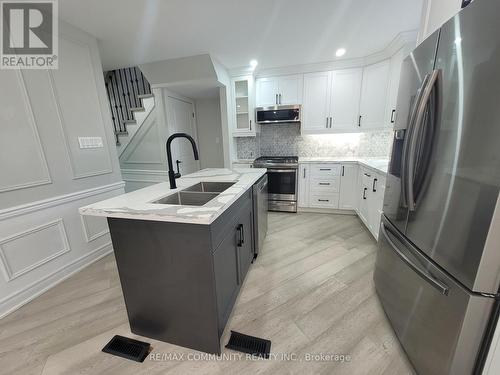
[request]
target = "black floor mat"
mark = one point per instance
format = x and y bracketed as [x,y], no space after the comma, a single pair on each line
[127,348]
[249,344]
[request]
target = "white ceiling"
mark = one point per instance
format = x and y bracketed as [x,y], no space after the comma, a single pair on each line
[275,32]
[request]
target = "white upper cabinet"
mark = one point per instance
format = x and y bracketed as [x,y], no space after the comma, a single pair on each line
[374,96]
[344,102]
[283,90]
[244,111]
[331,101]
[394,77]
[290,89]
[267,92]
[316,108]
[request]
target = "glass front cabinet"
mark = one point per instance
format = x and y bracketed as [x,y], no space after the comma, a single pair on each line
[244,107]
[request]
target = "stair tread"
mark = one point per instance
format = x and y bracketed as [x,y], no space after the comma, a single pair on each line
[144,96]
[137,109]
[130,122]
[122,133]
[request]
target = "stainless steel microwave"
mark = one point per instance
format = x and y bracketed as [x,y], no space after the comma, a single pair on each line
[278,114]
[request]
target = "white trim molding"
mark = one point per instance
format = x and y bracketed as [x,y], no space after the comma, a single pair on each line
[11,274]
[402,40]
[57,201]
[143,175]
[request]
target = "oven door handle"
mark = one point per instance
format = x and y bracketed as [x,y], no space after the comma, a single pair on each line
[291,170]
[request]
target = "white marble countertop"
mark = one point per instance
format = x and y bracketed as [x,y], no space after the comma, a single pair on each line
[379,165]
[137,204]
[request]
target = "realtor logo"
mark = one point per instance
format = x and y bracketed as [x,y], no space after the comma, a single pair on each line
[29,34]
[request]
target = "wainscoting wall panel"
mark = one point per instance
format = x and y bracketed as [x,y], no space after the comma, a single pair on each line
[46,243]
[18,122]
[79,110]
[33,247]
[94,227]
[45,175]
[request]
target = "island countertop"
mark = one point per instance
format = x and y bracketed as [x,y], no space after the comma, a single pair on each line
[138,204]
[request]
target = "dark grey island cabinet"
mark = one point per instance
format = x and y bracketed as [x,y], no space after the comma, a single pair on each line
[179,280]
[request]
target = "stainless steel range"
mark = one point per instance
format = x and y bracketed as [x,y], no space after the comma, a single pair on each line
[282,185]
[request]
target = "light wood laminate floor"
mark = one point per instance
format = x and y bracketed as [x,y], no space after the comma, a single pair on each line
[310,291]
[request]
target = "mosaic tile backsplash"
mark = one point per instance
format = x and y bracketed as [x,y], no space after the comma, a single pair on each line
[285,140]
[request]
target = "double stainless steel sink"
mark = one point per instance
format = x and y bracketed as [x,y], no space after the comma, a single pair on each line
[196,195]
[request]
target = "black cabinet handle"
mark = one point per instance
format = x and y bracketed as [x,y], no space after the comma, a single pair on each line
[323,200]
[392,116]
[364,193]
[325,169]
[324,183]
[242,229]
[276,99]
[342,170]
[250,124]
[240,235]
[304,173]
[359,120]
[374,183]
[367,175]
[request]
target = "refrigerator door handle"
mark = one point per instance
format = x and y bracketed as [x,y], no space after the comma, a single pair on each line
[408,137]
[440,286]
[412,151]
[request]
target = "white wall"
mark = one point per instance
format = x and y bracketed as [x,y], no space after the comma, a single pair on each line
[208,120]
[144,160]
[45,176]
[434,14]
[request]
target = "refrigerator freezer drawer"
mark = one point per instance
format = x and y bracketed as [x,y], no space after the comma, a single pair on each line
[439,323]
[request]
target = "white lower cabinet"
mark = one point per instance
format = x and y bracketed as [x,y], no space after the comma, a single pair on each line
[348,183]
[376,203]
[371,189]
[303,176]
[343,186]
[324,185]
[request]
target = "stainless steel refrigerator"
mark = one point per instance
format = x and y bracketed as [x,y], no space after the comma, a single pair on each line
[438,263]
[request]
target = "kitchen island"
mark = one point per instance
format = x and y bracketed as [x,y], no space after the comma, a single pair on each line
[182,254]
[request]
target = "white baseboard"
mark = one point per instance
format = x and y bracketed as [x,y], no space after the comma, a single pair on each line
[21,297]
[326,211]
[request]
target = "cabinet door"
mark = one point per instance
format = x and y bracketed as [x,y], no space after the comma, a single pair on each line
[394,75]
[290,89]
[243,92]
[344,103]
[374,95]
[316,110]
[245,239]
[227,276]
[303,199]
[376,202]
[348,187]
[266,92]
[363,195]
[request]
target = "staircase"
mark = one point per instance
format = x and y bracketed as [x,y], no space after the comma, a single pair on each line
[130,100]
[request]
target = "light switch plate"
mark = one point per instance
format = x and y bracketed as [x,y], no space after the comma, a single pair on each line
[90,142]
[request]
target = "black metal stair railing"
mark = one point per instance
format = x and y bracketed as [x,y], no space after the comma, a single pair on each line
[124,87]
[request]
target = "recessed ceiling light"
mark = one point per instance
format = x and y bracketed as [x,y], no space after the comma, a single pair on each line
[340,52]
[253,63]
